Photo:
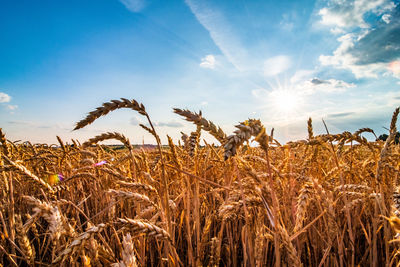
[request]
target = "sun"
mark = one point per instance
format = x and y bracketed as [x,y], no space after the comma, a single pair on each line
[284,100]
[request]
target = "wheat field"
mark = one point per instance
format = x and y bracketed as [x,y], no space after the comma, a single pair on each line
[327,200]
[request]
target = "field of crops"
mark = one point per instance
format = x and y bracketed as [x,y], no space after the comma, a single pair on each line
[327,200]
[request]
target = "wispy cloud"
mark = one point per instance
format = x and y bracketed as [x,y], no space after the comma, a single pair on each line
[134,5]
[34,124]
[340,115]
[276,65]
[12,107]
[172,124]
[221,32]
[208,62]
[301,75]
[288,21]
[4,98]
[29,123]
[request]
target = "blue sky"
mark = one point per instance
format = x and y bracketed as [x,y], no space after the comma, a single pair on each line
[280,61]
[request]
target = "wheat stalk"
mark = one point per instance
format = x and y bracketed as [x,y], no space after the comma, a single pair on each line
[23,240]
[50,213]
[28,173]
[3,142]
[206,125]
[365,130]
[129,195]
[139,186]
[76,243]
[128,253]
[306,193]
[142,227]
[246,129]
[107,136]
[108,107]
[385,149]
[310,129]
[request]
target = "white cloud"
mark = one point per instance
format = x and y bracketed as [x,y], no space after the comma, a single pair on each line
[331,85]
[337,31]
[343,59]
[4,98]
[208,62]
[338,57]
[314,85]
[386,18]
[204,103]
[12,107]
[347,14]
[276,65]
[134,5]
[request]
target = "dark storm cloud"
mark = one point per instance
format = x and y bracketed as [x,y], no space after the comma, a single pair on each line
[381,44]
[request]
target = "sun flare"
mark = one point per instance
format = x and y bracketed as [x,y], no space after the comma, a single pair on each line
[284,100]
[394,66]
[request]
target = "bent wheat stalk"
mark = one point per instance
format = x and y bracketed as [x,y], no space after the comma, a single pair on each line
[149,229]
[206,125]
[107,136]
[76,244]
[134,105]
[108,107]
[246,130]
[28,173]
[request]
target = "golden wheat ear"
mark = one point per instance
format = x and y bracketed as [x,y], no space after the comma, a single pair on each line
[206,125]
[108,107]
[107,136]
[246,130]
[3,141]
